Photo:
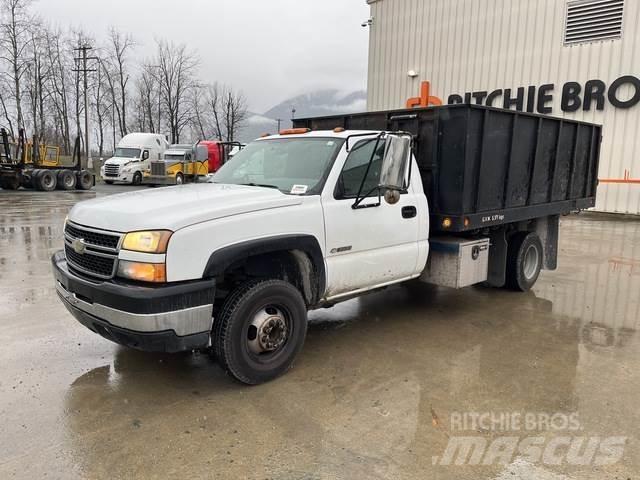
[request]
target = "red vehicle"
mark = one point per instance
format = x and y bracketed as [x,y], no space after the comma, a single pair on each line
[218,152]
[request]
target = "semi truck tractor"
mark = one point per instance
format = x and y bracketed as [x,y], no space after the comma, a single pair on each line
[179,164]
[329,210]
[132,157]
[188,163]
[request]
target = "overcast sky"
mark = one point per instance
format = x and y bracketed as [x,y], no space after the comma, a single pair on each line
[270,49]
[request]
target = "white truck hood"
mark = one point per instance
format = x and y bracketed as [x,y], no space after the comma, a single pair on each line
[120,161]
[172,208]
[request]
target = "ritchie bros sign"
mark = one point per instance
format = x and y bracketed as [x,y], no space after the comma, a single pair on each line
[592,94]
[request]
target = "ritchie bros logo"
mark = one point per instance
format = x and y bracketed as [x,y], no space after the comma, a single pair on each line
[593,94]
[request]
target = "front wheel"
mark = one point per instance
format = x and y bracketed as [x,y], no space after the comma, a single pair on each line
[137,178]
[10,183]
[179,179]
[260,330]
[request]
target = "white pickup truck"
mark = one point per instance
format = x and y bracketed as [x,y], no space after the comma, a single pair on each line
[294,222]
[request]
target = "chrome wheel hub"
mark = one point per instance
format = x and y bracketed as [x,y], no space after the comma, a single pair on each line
[268,330]
[531,259]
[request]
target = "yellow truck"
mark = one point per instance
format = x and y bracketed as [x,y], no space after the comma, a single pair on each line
[20,168]
[180,164]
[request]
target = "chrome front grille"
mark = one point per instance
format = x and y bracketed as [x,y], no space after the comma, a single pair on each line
[91,251]
[111,170]
[157,168]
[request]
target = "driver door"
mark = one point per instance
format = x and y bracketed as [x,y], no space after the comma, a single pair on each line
[373,245]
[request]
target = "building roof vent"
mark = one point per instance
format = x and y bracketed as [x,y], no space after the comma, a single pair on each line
[593,20]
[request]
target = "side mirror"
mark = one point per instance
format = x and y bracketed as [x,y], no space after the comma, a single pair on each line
[145,155]
[396,159]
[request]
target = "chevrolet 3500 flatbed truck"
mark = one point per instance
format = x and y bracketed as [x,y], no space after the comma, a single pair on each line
[337,207]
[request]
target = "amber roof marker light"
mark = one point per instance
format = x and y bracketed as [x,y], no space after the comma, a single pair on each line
[294,131]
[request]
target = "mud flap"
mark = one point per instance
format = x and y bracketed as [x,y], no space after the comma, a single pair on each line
[496,276]
[547,229]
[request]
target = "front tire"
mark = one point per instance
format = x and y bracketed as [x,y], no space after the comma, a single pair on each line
[524,261]
[260,330]
[137,178]
[10,183]
[179,179]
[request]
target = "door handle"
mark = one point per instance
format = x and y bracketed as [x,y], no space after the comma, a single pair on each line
[409,212]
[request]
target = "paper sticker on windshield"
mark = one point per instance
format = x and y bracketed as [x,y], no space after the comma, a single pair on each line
[299,189]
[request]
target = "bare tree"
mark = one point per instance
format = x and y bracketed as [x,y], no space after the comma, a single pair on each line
[7,116]
[14,40]
[119,47]
[234,109]
[176,73]
[227,110]
[200,123]
[101,107]
[115,105]
[147,99]
[60,62]
[37,75]
[213,104]
[41,88]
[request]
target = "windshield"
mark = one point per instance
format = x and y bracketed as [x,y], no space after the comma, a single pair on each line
[292,165]
[174,156]
[124,152]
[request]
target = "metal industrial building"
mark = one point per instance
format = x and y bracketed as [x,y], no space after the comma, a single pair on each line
[577,59]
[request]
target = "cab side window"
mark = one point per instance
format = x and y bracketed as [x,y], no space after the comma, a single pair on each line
[355,167]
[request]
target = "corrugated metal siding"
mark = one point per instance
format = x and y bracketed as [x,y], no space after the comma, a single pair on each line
[470,45]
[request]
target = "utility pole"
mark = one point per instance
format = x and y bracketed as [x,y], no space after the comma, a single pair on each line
[84,70]
[293,114]
[278,120]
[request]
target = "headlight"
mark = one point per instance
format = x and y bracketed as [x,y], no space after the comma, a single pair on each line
[154,241]
[143,272]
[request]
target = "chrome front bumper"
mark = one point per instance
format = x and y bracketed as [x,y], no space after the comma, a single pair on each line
[169,318]
[182,322]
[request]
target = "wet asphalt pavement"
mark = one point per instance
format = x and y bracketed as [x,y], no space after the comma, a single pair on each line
[372,395]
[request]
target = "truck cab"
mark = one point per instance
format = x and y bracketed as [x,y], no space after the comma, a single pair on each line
[132,157]
[180,163]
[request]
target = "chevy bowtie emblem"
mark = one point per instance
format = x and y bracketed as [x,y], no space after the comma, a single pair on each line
[79,246]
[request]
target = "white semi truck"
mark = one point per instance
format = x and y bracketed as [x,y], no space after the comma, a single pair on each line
[335,208]
[132,157]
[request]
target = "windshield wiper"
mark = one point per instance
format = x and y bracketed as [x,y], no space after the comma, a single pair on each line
[265,185]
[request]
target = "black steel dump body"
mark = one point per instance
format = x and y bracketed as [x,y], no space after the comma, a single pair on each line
[484,166]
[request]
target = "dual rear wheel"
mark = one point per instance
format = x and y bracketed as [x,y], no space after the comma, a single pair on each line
[524,260]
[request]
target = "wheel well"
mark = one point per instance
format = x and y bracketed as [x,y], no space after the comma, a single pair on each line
[293,266]
[295,258]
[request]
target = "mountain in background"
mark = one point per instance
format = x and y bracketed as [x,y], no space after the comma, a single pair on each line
[314,104]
